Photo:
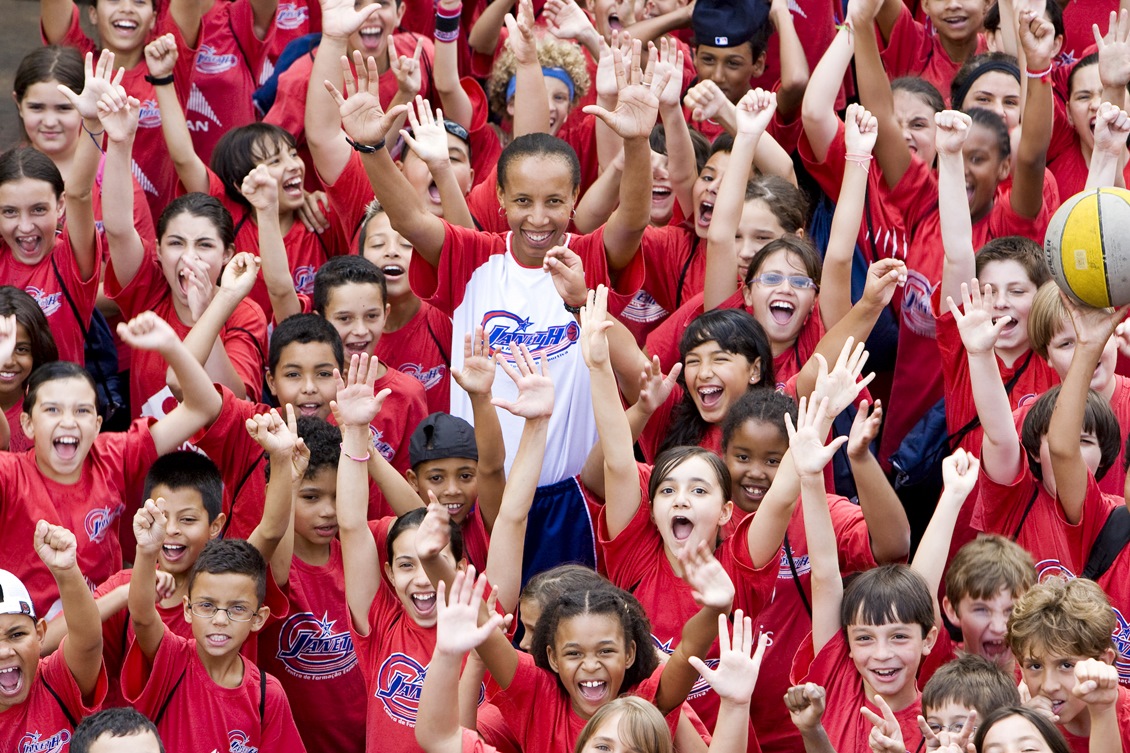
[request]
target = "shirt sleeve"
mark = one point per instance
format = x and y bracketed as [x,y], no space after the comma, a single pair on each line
[58,675]
[463,252]
[147,685]
[145,290]
[244,336]
[907,47]
[628,553]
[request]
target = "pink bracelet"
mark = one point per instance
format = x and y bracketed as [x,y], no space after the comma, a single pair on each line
[863,160]
[356,460]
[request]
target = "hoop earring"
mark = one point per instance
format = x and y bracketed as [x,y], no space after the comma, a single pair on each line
[573,213]
[501,212]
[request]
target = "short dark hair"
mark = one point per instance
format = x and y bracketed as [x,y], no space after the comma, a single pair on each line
[235,557]
[1098,419]
[52,372]
[304,328]
[885,594]
[16,302]
[971,681]
[346,270]
[658,142]
[765,406]
[239,151]
[199,205]
[115,722]
[412,519]
[539,145]
[922,89]
[323,439]
[185,469]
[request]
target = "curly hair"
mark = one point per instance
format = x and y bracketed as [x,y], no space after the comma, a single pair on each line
[552,53]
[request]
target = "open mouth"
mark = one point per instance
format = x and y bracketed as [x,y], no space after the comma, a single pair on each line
[125,25]
[308,409]
[614,23]
[660,194]
[9,376]
[538,240]
[995,650]
[969,192]
[326,531]
[454,508]
[705,212]
[184,278]
[593,690]
[11,681]
[28,244]
[425,603]
[66,447]
[681,528]
[371,37]
[710,396]
[360,348]
[885,675]
[293,186]
[781,311]
[392,271]
[433,193]
[173,552]
[217,640]
[754,493]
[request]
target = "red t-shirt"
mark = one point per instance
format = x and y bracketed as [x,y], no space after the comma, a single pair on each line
[200,715]
[42,284]
[833,669]
[18,442]
[915,49]
[242,335]
[293,19]
[40,723]
[420,349]
[1058,547]
[152,166]
[815,22]
[142,218]
[1115,582]
[1083,744]
[312,655]
[109,488]
[1078,17]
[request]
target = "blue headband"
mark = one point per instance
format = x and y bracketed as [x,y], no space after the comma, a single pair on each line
[557,73]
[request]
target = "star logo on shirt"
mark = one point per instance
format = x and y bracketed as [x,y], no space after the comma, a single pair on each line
[523,325]
[326,624]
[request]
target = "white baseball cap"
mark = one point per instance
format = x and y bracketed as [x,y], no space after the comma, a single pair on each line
[14,597]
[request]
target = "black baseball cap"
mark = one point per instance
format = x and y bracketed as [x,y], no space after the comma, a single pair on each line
[441,436]
[726,23]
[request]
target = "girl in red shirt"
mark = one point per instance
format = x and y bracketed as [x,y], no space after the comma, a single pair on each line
[34,346]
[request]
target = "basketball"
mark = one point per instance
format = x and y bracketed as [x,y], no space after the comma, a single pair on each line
[1088,247]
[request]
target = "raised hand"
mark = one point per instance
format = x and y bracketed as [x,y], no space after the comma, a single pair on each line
[975,323]
[566,20]
[568,273]
[457,618]
[710,584]
[959,473]
[953,129]
[656,388]
[886,735]
[738,662]
[240,274]
[1037,37]
[146,331]
[341,18]
[842,384]
[1112,127]
[356,403]
[199,287]
[864,428]
[520,38]
[806,439]
[477,375]
[638,101]
[149,527]
[409,77]
[166,585]
[594,328]
[161,56]
[806,705]
[428,137]
[1114,50]
[99,80]
[670,59]
[261,190]
[863,11]
[705,100]
[883,278]
[434,533]
[272,433]
[755,111]
[362,117]
[861,129]
[535,388]
[1096,683]
[56,546]
[7,338]
[119,114]
[1093,327]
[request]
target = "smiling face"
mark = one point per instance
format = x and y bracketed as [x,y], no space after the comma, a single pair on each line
[372,39]
[757,227]
[1050,675]
[590,656]
[416,593]
[887,658]
[286,167]
[187,530]
[752,457]
[704,192]
[916,119]
[1014,734]
[984,625]
[358,312]
[220,636]
[63,424]
[454,481]
[538,198]
[15,372]
[690,506]
[416,172]
[20,641]
[731,68]
[985,168]
[191,245]
[1013,291]
[304,378]
[1061,348]
[781,309]
[388,250]
[123,25]
[315,508]
[1083,103]
[50,120]
[717,378]
[996,91]
[662,197]
[956,20]
[29,216]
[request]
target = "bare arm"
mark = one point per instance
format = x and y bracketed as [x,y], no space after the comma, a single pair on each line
[288,457]
[149,529]
[1038,39]
[953,205]
[58,549]
[882,510]
[959,471]
[108,605]
[484,35]
[477,378]
[817,108]
[529,82]
[429,141]
[55,19]
[598,202]
[187,14]
[161,58]
[650,29]
[261,190]
[891,151]
[794,63]
[445,72]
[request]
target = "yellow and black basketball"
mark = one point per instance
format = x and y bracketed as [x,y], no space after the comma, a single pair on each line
[1088,247]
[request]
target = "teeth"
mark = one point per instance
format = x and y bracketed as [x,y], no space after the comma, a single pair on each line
[423,597]
[782,305]
[538,237]
[392,269]
[592,683]
[66,440]
[708,390]
[454,508]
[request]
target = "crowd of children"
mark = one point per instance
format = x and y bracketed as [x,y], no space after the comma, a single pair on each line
[561,375]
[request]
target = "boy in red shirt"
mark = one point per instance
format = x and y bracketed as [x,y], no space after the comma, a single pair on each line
[116,730]
[202,694]
[42,701]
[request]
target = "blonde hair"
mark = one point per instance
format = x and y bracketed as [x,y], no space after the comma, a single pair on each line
[1046,318]
[1063,617]
[552,53]
[642,727]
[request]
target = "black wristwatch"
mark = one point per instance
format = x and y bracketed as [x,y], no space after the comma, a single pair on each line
[365,148]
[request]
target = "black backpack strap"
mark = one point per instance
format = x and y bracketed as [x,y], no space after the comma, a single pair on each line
[796,576]
[684,271]
[262,698]
[70,301]
[66,712]
[1028,509]
[1112,539]
[436,340]
[168,699]
[235,495]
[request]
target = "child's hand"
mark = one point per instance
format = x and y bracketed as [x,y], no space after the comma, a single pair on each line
[953,129]
[313,211]
[738,662]
[341,18]
[1041,705]
[975,323]
[161,56]
[166,585]
[409,78]
[147,331]
[710,584]
[240,274]
[861,129]
[883,278]
[806,441]
[568,273]
[806,706]
[656,388]
[1112,127]
[1037,37]
[199,287]
[261,190]
[864,428]
[705,100]
[1096,684]
[520,38]
[1114,51]
[670,60]
[605,69]
[566,20]
[434,533]
[99,80]
[280,439]
[7,338]
[428,138]
[457,617]
[56,546]
[149,528]
[356,403]
[842,384]
[535,388]
[119,114]
[477,375]
[1093,327]
[959,473]
[945,740]
[362,117]
[594,328]
[755,111]
[886,735]
[638,101]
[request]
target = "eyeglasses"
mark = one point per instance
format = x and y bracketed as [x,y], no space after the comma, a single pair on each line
[207,610]
[772,279]
[954,729]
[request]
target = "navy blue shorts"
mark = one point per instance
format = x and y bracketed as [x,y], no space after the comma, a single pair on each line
[559,530]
